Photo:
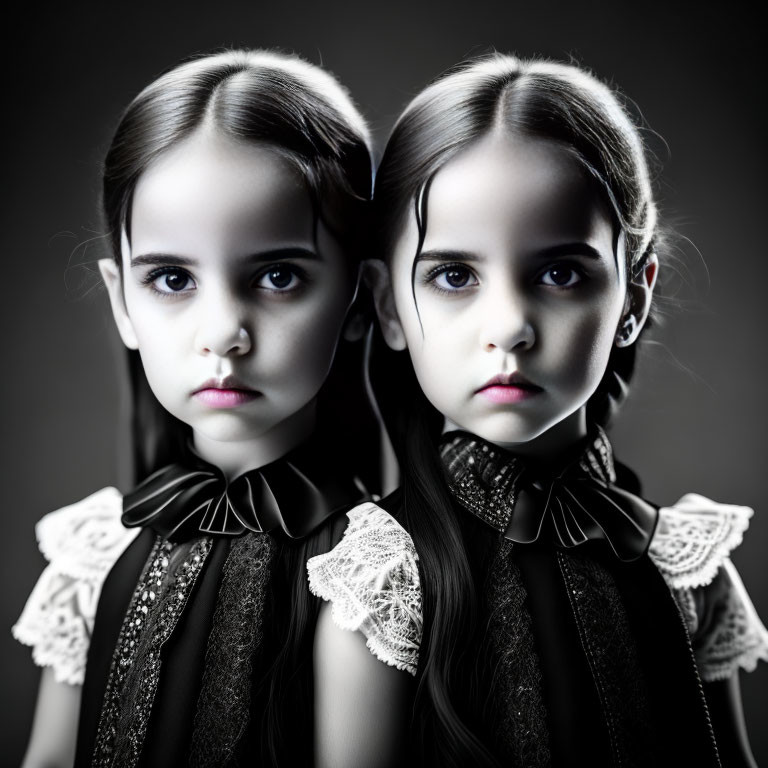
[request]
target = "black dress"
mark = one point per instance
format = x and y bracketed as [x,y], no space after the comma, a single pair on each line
[202,646]
[581,651]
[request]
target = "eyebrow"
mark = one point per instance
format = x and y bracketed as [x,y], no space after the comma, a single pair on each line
[570,249]
[552,252]
[173,260]
[437,254]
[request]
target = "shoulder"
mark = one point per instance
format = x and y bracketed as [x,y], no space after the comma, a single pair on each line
[81,542]
[84,539]
[691,548]
[371,579]
[374,543]
[694,537]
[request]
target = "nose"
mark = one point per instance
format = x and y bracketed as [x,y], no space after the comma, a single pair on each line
[222,328]
[506,325]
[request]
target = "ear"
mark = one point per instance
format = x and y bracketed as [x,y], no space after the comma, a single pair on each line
[638,302]
[376,275]
[110,272]
[354,326]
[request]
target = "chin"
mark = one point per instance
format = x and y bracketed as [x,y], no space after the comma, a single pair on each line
[508,430]
[231,428]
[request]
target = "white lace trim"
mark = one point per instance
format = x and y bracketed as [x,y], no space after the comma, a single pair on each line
[691,545]
[371,579]
[81,543]
[694,537]
[737,637]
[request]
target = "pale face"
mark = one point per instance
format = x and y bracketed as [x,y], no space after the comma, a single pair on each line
[235,308]
[517,293]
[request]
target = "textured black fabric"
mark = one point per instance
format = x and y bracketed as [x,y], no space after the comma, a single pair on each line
[681,718]
[618,684]
[520,720]
[578,731]
[223,706]
[183,664]
[612,656]
[139,654]
[237,618]
[573,500]
[578,647]
[113,603]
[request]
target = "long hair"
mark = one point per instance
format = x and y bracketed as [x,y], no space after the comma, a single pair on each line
[536,99]
[304,114]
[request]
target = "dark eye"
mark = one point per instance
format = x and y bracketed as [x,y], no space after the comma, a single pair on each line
[561,276]
[279,279]
[171,281]
[454,278]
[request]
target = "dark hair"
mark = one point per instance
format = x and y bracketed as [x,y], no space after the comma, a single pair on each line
[304,114]
[538,99]
[253,96]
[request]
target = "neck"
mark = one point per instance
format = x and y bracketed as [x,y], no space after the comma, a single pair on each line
[549,445]
[234,457]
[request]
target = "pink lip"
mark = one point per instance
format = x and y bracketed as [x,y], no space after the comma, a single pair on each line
[224,393]
[508,388]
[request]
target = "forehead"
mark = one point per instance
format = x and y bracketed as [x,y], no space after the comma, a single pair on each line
[530,192]
[210,191]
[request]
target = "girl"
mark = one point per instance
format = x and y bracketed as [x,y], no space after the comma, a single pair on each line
[233,191]
[566,621]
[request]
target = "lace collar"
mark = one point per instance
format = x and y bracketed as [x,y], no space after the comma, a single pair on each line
[575,501]
[295,493]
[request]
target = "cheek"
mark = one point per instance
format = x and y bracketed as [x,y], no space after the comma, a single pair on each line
[439,338]
[163,380]
[155,320]
[300,344]
[581,346]
[439,366]
[444,329]
[424,316]
[167,375]
[163,334]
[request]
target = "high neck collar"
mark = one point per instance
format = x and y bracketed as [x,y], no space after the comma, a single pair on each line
[295,493]
[574,499]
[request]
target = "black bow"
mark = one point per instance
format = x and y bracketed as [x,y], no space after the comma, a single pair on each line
[578,503]
[180,502]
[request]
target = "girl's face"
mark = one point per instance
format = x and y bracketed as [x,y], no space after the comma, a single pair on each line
[233,303]
[517,293]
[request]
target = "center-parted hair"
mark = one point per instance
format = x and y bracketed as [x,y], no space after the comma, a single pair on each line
[539,100]
[280,101]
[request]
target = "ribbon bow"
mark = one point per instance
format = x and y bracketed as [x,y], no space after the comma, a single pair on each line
[576,505]
[180,502]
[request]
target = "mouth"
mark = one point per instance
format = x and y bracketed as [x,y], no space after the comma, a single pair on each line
[509,388]
[228,392]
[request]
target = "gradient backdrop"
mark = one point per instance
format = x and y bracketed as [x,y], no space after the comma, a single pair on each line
[697,417]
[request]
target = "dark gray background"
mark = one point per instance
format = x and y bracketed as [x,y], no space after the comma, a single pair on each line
[697,418]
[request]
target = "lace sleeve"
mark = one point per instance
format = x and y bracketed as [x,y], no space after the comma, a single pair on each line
[371,579]
[691,548]
[694,537]
[81,543]
[726,632]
